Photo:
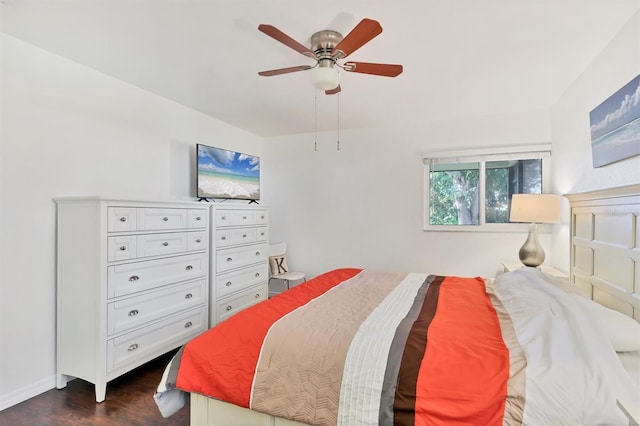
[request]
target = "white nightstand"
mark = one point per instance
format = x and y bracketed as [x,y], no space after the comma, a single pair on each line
[512,266]
[631,410]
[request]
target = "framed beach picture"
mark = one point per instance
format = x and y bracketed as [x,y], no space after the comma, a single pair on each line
[615,126]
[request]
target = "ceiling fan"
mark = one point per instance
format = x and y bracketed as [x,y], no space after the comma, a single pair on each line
[327,48]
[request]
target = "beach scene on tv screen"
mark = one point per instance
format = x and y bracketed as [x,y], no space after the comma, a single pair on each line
[227,174]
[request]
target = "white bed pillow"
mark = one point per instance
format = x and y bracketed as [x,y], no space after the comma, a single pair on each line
[622,331]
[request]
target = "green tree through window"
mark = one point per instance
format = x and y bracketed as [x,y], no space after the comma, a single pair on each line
[454,195]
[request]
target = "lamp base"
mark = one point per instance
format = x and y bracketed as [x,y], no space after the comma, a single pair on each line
[531,252]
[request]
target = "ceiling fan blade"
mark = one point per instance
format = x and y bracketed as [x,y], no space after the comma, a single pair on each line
[285,70]
[366,30]
[333,91]
[275,33]
[386,70]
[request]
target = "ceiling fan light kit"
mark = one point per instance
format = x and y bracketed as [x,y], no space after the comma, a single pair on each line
[325,77]
[327,48]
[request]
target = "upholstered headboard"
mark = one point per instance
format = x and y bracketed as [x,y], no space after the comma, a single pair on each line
[605,246]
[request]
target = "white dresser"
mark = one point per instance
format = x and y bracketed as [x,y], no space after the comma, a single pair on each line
[132,284]
[239,260]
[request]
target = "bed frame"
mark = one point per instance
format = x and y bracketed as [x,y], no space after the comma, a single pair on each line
[605,264]
[605,247]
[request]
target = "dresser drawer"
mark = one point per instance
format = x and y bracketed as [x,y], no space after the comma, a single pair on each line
[239,280]
[133,277]
[235,217]
[197,218]
[160,244]
[235,304]
[155,338]
[136,311]
[262,217]
[232,237]
[223,238]
[232,258]
[121,219]
[262,234]
[122,247]
[242,236]
[152,219]
[198,240]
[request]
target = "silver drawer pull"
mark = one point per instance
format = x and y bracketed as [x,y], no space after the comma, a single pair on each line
[244,217]
[244,235]
[229,307]
[228,284]
[134,278]
[257,295]
[262,234]
[188,267]
[188,324]
[165,244]
[223,238]
[123,248]
[133,312]
[262,217]
[188,296]
[223,218]
[257,274]
[166,219]
[123,219]
[132,347]
[198,240]
[257,253]
[229,259]
[198,218]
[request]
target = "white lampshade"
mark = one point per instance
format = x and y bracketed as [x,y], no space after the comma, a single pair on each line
[325,78]
[535,208]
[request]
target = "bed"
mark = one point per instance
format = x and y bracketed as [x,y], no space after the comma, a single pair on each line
[377,347]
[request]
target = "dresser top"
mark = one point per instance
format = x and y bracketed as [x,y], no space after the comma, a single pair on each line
[94,199]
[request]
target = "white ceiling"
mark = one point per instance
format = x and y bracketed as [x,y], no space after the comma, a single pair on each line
[461,57]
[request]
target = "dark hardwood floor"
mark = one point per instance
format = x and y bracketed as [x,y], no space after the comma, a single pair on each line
[129,402]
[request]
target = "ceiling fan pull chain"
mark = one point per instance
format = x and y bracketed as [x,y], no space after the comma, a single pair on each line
[338,142]
[315,143]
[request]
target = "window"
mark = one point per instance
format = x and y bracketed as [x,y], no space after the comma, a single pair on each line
[471,190]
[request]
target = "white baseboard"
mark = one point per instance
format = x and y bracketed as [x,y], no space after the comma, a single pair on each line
[17,396]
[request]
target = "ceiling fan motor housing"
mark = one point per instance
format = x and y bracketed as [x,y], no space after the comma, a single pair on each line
[323,44]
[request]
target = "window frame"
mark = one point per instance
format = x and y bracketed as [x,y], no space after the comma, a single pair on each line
[481,156]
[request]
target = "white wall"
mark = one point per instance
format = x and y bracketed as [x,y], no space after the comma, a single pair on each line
[614,67]
[69,130]
[362,206]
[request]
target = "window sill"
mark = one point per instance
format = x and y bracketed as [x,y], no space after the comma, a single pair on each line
[504,228]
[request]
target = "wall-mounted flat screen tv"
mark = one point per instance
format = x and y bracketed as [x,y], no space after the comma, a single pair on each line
[226,174]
